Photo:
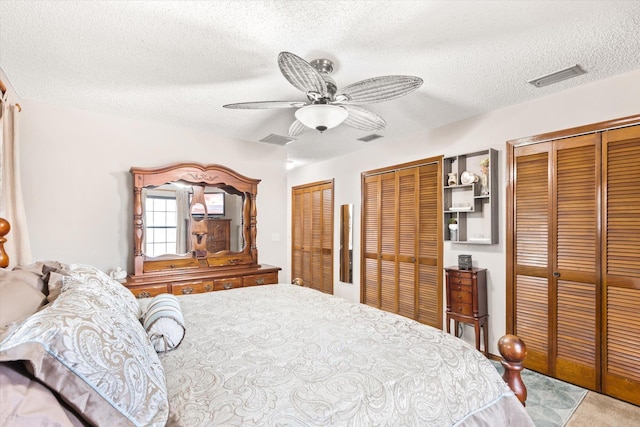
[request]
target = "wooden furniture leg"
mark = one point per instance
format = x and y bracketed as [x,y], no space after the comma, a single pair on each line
[513,352]
[4,230]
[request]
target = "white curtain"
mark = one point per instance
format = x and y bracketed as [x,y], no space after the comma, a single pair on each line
[182,228]
[11,203]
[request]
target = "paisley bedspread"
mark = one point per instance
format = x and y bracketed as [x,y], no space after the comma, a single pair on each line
[282,355]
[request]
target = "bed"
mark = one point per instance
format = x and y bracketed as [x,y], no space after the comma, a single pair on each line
[280,355]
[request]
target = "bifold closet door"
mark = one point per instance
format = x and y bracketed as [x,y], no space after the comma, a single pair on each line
[401,248]
[621,264]
[556,252]
[312,235]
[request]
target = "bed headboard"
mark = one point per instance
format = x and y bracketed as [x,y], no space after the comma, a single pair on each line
[4,230]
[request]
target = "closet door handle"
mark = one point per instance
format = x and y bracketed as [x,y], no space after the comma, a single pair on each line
[556,274]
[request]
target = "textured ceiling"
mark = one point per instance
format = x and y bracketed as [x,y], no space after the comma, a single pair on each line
[179,62]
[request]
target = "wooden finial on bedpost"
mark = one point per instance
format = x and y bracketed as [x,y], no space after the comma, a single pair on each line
[4,230]
[513,352]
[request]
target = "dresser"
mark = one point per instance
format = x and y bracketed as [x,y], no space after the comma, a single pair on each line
[203,282]
[179,250]
[467,301]
[218,235]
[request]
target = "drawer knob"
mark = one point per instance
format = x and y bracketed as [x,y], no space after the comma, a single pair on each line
[187,290]
[207,288]
[228,285]
[459,288]
[460,308]
[143,294]
[259,281]
[459,296]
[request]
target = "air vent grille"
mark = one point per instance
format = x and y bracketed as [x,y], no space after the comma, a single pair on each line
[277,139]
[558,76]
[369,138]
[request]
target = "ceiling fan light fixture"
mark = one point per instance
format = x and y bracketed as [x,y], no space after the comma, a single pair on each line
[321,116]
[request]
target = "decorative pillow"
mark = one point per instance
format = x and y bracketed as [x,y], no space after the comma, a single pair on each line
[94,354]
[164,322]
[20,298]
[90,279]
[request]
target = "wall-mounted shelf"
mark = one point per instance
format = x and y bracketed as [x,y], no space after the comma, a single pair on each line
[473,205]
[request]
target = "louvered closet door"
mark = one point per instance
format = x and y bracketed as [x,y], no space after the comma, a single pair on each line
[312,235]
[576,251]
[557,248]
[401,255]
[430,246]
[370,288]
[621,264]
[532,220]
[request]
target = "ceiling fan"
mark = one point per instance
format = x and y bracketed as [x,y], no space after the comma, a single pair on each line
[325,109]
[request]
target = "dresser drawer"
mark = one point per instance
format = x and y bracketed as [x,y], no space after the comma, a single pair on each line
[458,297]
[466,287]
[460,281]
[466,309]
[460,274]
[228,283]
[260,279]
[191,288]
[149,291]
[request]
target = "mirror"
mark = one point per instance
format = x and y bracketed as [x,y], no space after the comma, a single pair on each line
[346,243]
[192,216]
[169,209]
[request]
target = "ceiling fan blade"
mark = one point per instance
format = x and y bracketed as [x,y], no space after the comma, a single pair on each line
[297,128]
[301,74]
[266,104]
[378,89]
[360,118]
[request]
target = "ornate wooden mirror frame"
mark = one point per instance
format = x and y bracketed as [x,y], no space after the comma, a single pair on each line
[198,259]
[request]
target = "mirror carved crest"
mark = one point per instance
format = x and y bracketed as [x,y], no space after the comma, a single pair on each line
[189,216]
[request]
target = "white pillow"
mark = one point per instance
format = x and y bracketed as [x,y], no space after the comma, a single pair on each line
[164,322]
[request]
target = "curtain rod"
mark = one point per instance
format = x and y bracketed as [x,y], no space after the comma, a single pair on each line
[3,88]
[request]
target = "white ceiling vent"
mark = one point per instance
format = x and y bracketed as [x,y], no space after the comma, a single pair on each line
[369,138]
[558,76]
[277,139]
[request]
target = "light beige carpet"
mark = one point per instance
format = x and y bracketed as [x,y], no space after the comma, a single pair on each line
[597,410]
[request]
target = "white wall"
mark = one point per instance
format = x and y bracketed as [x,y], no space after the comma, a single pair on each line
[604,100]
[78,191]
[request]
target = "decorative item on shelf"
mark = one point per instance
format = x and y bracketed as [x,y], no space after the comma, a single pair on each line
[461,207]
[484,167]
[118,274]
[468,178]
[464,262]
[453,179]
[453,229]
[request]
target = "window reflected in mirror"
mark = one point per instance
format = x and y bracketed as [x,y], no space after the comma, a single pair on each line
[167,212]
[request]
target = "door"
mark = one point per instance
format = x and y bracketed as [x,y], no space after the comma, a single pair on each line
[556,245]
[621,264]
[312,235]
[401,241]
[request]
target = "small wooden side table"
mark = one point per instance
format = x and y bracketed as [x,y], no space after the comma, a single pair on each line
[467,301]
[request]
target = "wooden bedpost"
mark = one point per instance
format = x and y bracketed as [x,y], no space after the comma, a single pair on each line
[4,230]
[513,352]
